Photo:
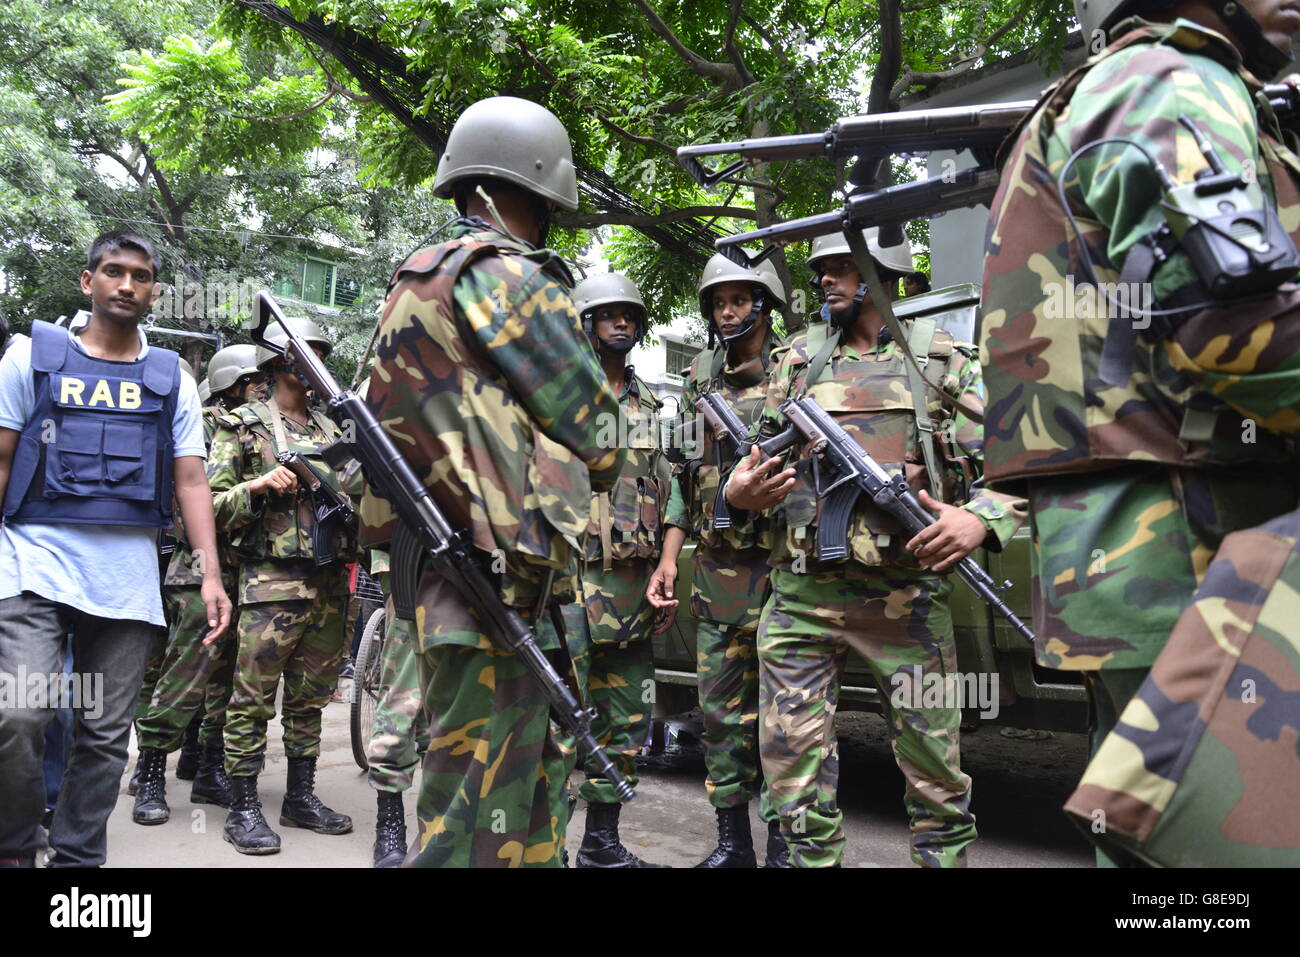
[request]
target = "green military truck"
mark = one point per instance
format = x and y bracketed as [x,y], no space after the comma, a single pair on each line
[1027,695]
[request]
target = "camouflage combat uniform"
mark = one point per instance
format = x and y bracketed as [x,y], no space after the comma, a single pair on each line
[609,632]
[729,585]
[193,679]
[877,602]
[487,385]
[401,730]
[291,611]
[1132,486]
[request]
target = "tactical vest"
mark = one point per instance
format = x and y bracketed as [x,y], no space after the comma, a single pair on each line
[555,485]
[870,399]
[746,393]
[97,448]
[626,522]
[1049,412]
[284,531]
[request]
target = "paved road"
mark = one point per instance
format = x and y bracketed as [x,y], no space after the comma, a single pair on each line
[1019,788]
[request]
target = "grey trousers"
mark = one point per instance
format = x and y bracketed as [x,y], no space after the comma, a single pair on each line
[108,659]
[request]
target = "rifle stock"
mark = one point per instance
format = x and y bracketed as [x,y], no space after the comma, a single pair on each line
[424,533]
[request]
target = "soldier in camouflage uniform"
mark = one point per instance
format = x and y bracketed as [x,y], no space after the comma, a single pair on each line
[882,602]
[609,632]
[193,674]
[1137,461]
[401,730]
[291,609]
[729,578]
[485,382]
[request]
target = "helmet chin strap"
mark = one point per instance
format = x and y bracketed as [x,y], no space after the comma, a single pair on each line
[746,324]
[849,315]
[617,348]
[1261,57]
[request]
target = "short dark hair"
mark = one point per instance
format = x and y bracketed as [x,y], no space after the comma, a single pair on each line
[920,278]
[116,239]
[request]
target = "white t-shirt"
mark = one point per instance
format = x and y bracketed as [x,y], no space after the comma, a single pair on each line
[110,571]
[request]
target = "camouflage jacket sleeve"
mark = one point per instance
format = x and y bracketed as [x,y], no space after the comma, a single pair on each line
[1002,514]
[528,328]
[229,476]
[1139,93]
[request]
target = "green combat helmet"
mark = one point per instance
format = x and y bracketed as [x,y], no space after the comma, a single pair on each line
[186,367]
[893,261]
[205,392]
[225,368]
[603,290]
[304,327]
[1261,57]
[511,139]
[720,269]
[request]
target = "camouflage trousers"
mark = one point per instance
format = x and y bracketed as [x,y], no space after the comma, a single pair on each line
[152,669]
[613,658]
[194,679]
[493,785]
[401,731]
[727,673]
[301,639]
[899,622]
[493,792]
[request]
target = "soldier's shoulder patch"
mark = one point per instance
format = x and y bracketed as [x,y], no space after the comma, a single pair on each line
[647,394]
[240,415]
[969,350]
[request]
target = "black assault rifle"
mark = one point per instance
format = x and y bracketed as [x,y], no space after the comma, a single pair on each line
[869,139]
[334,511]
[854,472]
[722,420]
[423,532]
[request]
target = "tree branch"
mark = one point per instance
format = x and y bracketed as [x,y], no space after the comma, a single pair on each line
[911,79]
[703,67]
[329,95]
[775,48]
[650,141]
[619,217]
[729,44]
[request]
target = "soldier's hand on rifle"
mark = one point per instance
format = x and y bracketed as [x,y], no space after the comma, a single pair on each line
[954,535]
[752,488]
[278,481]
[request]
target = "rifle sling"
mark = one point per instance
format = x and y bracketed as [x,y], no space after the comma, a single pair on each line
[916,380]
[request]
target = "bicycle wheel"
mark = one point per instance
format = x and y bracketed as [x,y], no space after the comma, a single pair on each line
[367,673]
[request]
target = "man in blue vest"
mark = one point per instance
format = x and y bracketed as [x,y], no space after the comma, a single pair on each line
[96,430]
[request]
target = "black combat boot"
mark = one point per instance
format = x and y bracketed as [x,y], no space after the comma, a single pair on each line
[302,808]
[151,794]
[778,851]
[600,844]
[134,784]
[246,828]
[390,830]
[211,785]
[187,765]
[735,843]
